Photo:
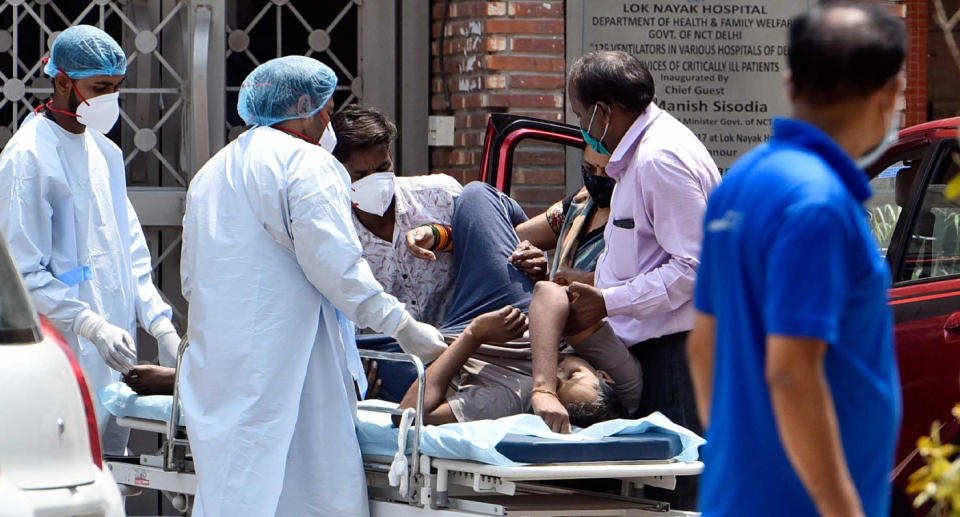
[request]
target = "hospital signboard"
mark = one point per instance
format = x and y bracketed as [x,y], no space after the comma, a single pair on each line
[718,65]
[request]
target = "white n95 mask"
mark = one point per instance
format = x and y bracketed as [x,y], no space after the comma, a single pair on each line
[889,139]
[100,112]
[374,193]
[328,140]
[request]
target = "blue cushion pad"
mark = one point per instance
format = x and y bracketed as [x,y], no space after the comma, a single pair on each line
[650,446]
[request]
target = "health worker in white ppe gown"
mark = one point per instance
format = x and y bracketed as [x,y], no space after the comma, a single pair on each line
[71,229]
[273,270]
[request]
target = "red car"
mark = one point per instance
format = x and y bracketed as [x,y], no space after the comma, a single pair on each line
[918,229]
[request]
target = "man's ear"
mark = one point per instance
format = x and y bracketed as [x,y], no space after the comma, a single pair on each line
[605,109]
[605,376]
[788,86]
[61,84]
[305,105]
[895,92]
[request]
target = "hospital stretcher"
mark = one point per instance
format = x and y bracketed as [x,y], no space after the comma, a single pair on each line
[412,483]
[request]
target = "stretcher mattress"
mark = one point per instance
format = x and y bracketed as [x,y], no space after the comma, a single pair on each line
[121,401]
[525,439]
[510,441]
[651,445]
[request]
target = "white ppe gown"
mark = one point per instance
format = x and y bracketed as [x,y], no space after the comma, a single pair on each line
[269,256]
[77,242]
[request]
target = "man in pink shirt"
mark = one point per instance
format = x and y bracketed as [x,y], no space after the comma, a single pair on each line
[645,277]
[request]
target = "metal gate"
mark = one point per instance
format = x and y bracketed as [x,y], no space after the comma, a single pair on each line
[186,60]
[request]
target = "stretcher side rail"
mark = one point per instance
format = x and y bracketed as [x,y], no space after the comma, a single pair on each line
[170,471]
[414,472]
[174,461]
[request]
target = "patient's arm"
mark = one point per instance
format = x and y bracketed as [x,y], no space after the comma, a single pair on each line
[568,275]
[149,379]
[548,316]
[493,327]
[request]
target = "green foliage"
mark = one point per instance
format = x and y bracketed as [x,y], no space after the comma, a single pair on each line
[883,219]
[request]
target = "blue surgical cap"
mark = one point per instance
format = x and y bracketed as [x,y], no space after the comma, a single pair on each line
[285,88]
[85,51]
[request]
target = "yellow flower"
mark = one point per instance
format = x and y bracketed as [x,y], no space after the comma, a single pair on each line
[938,481]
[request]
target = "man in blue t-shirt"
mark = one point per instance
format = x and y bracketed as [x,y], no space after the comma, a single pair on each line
[792,351]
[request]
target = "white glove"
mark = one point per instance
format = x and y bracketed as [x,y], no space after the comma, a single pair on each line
[168,341]
[115,345]
[419,339]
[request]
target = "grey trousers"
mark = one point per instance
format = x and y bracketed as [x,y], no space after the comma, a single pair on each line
[667,388]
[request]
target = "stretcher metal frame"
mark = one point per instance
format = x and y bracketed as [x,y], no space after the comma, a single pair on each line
[436,486]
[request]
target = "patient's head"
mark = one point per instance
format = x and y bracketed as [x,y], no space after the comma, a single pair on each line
[364,136]
[586,392]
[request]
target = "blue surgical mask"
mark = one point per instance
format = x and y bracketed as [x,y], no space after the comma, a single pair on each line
[888,140]
[596,145]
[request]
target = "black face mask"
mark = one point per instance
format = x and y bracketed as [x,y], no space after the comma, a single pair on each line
[600,188]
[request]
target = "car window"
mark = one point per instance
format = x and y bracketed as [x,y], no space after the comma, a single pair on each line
[18,320]
[933,242]
[892,189]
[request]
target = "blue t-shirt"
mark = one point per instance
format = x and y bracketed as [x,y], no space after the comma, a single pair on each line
[787,251]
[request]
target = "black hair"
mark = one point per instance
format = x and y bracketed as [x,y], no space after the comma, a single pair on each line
[359,127]
[606,407]
[831,61]
[612,77]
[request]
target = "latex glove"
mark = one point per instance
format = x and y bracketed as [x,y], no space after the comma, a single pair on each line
[115,345]
[419,339]
[168,341]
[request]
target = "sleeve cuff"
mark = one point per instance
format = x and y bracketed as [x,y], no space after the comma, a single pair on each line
[161,326]
[803,326]
[702,307]
[617,300]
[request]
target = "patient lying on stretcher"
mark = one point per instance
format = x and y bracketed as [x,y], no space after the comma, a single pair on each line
[482,375]
[486,374]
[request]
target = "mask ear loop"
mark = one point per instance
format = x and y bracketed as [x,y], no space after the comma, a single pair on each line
[49,104]
[297,134]
[326,121]
[605,128]
[592,116]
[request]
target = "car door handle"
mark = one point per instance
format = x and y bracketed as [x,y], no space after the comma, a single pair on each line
[952,325]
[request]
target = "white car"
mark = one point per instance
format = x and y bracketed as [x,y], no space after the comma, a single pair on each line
[50,457]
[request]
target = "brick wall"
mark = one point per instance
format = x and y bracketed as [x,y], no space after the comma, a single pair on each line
[499,57]
[916,17]
[917,20]
[509,57]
